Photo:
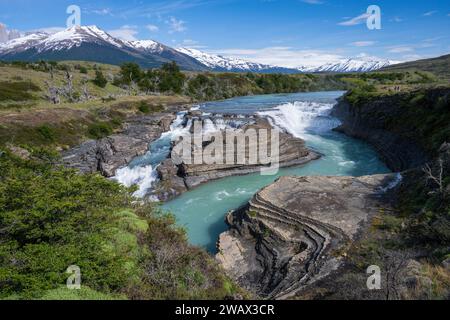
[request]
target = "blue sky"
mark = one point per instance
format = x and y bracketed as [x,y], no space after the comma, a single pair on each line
[281,32]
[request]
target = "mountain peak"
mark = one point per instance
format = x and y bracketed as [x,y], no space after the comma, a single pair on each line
[147,45]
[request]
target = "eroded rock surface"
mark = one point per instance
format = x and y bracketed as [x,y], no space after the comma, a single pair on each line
[295,231]
[109,154]
[176,178]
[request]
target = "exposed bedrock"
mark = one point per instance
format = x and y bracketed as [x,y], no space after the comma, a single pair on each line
[110,153]
[180,177]
[295,231]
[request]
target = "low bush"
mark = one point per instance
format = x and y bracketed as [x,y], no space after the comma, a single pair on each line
[100,130]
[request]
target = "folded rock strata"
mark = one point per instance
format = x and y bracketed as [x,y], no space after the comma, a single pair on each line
[295,231]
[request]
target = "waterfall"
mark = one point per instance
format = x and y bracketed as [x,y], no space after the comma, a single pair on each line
[300,118]
[142,170]
[143,177]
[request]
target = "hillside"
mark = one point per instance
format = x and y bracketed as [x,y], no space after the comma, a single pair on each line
[439,66]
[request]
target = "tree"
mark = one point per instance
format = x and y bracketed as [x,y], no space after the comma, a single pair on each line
[100,79]
[130,72]
[172,79]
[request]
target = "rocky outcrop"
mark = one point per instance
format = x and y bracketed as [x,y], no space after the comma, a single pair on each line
[405,128]
[109,154]
[295,231]
[397,146]
[176,178]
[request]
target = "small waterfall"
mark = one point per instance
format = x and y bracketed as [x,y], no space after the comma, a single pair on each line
[143,177]
[142,170]
[300,118]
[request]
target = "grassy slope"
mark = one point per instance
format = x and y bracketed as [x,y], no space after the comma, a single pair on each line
[35,121]
[439,66]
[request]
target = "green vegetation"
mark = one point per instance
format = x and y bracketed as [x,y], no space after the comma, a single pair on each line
[17,91]
[53,218]
[440,67]
[100,79]
[100,130]
[146,108]
[420,222]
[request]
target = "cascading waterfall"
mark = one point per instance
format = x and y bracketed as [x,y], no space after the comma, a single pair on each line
[142,170]
[300,118]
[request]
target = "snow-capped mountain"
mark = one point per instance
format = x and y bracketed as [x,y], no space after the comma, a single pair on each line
[64,40]
[350,65]
[221,63]
[90,43]
[147,45]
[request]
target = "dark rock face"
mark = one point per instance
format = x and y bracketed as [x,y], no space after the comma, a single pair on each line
[369,122]
[109,154]
[294,232]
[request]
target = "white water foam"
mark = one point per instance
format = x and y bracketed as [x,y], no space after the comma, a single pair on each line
[394,183]
[299,118]
[143,177]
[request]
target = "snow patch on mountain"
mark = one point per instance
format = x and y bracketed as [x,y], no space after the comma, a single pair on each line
[224,63]
[63,40]
[351,65]
[147,45]
[75,36]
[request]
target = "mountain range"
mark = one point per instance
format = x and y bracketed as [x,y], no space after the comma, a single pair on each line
[90,43]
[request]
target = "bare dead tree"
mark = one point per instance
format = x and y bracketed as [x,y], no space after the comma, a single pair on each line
[53,93]
[69,84]
[436,178]
[84,82]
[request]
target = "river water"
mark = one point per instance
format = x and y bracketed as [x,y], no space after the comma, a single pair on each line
[305,115]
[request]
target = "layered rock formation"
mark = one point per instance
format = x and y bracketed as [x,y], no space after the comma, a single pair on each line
[295,231]
[109,154]
[176,178]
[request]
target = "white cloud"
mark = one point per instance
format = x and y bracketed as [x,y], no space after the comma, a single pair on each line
[282,56]
[102,12]
[312,1]
[401,49]
[189,42]
[356,20]
[429,13]
[396,19]
[176,25]
[49,30]
[363,43]
[152,28]
[412,57]
[125,32]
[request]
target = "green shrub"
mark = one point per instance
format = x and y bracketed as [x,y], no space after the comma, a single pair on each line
[100,130]
[53,218]
[100,79]
[144,107]
[47,132]
[83,70]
